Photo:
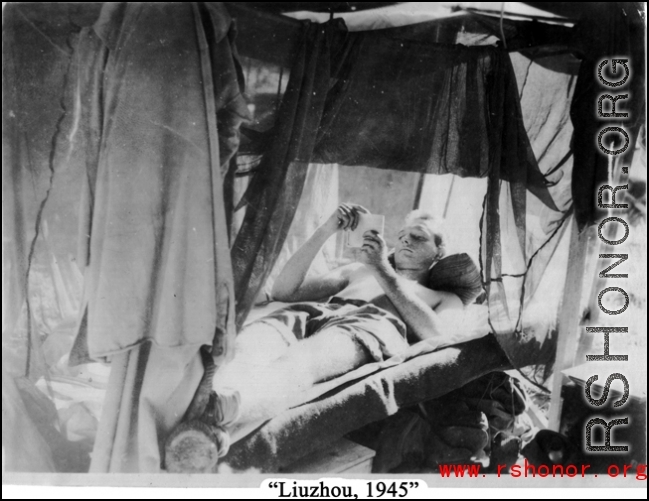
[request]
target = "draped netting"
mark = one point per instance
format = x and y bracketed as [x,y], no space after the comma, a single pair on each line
[409,107]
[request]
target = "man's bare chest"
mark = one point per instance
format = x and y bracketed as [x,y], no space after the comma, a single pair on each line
[364,286]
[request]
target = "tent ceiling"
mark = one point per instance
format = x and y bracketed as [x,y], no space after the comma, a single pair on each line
[270,37]
[408,13]
[55,19]
[84,14]
[576,10]
[571,10]
[280,7]
[267,35]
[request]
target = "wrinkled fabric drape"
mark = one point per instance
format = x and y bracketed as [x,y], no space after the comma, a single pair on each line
[154,182]
[154,81]
[34,305]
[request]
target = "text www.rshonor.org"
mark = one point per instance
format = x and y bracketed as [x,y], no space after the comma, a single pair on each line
[527,470]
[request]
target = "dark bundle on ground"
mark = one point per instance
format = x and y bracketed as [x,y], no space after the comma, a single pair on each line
[475,423]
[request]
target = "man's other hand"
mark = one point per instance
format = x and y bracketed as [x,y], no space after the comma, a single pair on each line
[374,252]
[345,217]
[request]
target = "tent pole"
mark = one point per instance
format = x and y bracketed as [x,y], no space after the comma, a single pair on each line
[102,453]
[448,197]
[420,187]
[569,318]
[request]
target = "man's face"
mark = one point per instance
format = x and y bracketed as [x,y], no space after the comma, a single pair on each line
[415,247]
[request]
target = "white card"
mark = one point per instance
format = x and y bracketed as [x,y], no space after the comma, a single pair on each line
[366,222]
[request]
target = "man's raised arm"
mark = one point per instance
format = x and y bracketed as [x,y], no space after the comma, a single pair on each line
[291,284]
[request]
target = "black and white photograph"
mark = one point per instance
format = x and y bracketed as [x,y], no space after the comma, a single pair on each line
[324,249]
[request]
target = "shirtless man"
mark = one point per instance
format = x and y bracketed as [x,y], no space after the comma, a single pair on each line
[399,290]
[374,304]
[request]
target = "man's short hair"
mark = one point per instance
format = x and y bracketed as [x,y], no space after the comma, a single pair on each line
[434,224]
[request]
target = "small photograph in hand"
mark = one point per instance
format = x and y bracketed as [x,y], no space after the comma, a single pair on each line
[366,222]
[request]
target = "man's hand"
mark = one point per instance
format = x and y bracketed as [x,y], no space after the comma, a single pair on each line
[345,217]
[374,252]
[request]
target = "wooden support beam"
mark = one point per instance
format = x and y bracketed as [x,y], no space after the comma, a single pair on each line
[102,452]
[569,318]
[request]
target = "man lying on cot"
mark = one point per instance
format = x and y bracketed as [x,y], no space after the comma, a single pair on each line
[375,307]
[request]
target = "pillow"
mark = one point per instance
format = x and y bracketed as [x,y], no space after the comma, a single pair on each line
[456,274]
